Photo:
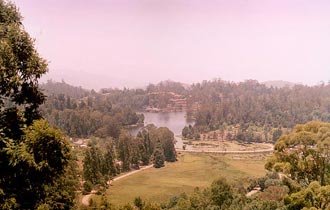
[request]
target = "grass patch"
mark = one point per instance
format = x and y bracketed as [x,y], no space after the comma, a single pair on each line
[190,171]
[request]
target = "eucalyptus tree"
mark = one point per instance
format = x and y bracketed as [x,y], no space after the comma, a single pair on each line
[304,154]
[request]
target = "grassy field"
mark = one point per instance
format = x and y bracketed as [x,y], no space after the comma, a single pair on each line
[190,171]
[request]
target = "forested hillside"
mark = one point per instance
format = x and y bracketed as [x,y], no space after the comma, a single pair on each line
[82,113]
[253,103]
[58,88]
[213,104]
[154,95]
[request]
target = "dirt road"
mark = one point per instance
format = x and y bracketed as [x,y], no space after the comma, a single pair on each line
[132,172]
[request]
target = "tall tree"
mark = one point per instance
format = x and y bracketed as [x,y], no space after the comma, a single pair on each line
[146,146]
[304,154]
[92,165]
[221,193]
[314,196]
[166,138]
[159,158]
[32,154]
[125,150]
[20,69]
[108,163]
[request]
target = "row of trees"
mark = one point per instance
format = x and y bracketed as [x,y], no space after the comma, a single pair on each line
[189,132]
[239,133]
[104,161]
[99,165]
[150,144]
[254,134]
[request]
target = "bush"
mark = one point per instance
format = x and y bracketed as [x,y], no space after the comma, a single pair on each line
[88,186]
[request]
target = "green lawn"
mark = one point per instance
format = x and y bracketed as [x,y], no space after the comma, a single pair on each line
[190,171]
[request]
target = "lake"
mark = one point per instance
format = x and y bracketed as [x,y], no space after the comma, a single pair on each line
[175,121]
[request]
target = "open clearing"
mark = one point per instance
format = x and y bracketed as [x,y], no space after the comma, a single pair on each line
[190,171]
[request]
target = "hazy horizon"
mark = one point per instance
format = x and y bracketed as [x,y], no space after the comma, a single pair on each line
[117,43]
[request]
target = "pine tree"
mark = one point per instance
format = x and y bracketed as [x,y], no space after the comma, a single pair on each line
[159,158]
[108,162]
[124,150]
[92,165]
[145,146]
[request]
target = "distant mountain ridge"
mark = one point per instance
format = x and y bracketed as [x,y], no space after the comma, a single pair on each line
[55,87]
[52,87]
[279,84]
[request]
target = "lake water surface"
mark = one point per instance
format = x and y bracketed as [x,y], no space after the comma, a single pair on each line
[175,121]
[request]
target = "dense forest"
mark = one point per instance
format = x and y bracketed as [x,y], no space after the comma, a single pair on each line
[247,111]
[139,99]
[213,103]
[250,102]
[82,113]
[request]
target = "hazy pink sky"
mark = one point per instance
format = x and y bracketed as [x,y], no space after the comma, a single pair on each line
[106,43]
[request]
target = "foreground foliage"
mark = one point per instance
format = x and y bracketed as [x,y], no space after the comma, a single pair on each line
[33,156]
[32,168]
[304,154]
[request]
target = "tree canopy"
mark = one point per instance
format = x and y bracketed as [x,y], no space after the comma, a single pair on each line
[304,154]
[33,155]
[20,69]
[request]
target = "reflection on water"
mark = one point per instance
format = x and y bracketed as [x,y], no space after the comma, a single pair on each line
[175,121]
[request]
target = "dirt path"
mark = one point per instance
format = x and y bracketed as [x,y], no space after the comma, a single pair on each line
[86,198]
[132,172]
[252,192]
